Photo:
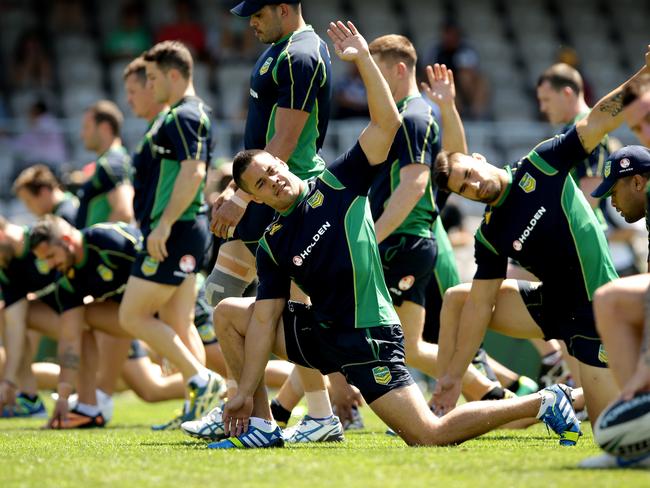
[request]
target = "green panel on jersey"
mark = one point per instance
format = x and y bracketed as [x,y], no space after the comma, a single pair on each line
[330,180]
[590,242]
[373,306]
[99,210]
[169,170]
[265,246]
[445,270]
[481,238]
[541,164]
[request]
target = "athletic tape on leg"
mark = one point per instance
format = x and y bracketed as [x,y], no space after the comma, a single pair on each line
[220,285]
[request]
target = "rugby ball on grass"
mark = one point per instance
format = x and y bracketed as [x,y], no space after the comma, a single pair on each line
[623,429]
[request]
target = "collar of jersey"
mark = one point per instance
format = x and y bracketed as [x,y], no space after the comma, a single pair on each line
[282,39]
[405,100]
[505,193]
[297,201]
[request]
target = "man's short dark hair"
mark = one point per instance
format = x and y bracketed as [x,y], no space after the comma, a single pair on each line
[242,160]
[171,55]
[107,111]
[636,89]
[34,178]
[441,170]
[49,229]
[138,68]
[561,75]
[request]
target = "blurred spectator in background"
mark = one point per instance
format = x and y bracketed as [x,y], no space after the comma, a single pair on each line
[472,90]
[131,38]
[42,142]
[31,66]
[568,55]
[350,95]
[185,29]
[68,17]
[232,40]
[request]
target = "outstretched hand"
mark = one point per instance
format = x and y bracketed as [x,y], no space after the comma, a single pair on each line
[441,88]
[349,45]
[446,395]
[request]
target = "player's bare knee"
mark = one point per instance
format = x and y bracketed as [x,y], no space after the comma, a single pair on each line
[455,296]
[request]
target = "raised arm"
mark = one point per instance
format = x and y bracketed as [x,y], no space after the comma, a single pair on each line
[377,138]
[442,91]
[606,114]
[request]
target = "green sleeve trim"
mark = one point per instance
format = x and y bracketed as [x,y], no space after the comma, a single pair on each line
[330,180]
[481,238]
[541,164]
[265,245]
[180,131]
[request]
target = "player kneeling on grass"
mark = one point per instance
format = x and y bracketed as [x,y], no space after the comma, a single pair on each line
[324,240]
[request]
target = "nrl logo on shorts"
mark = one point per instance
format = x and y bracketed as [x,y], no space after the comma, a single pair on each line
[266,65]
[527,183]
[602,354]
[608,168]
[316,200]
[382,375]
[105,272]
[149,266]
[187,264]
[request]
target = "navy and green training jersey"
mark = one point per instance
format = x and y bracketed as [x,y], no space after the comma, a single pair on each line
[592,165]
[294,73]
[109,252]
[25,274]
[112,168]
[326,243]
[145,171]
[185,134]
[544,222]
[68,208]
[445,272]
[416,142]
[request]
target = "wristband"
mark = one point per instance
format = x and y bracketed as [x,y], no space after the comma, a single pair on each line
[238,201]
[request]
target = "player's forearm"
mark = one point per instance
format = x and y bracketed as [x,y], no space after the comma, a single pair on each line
[382,108]
[69,355]
[121,202]
[606,116]
[400,205]
[453,131]
[473,324]
[15,338]
[185,188]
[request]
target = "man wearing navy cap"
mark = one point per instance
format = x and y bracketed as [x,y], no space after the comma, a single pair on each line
[288,114]
[621,307]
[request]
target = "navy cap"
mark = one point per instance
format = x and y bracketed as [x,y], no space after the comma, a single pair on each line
[627,161]
[249,7]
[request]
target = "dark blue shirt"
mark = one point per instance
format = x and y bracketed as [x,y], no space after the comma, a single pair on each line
[416,142]
[26,274]
[294,73]
[112,168]
[326,243]
[68,208]
[109,253]
[185,134]
[544,222]
[145,172]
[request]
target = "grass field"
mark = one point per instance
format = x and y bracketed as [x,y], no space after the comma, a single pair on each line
[128,453]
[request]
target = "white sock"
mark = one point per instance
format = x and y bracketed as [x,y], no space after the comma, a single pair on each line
[201,378]
[102,397]
[264,425]
[90,410]
[318,404]
[547,398]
